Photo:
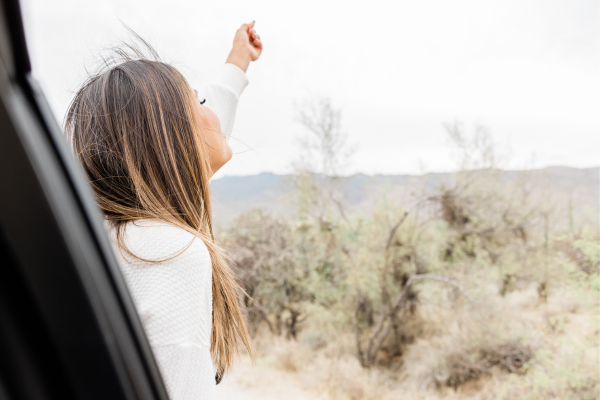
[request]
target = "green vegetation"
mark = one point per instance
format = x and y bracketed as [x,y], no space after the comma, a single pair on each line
[471,289]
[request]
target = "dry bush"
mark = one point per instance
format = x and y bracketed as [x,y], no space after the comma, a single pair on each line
[272,262]
[467,290]
[584,253]
[289,356]
[462,367]
[464,350]
[509,357]
[344,378]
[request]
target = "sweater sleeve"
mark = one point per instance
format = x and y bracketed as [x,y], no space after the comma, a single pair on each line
[222,95]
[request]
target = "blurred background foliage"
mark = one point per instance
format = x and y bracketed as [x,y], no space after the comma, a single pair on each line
[472,287]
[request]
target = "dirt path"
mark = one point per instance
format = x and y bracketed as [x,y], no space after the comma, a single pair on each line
[240,386]
[229,390]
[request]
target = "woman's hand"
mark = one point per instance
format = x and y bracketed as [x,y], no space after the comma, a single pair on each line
[246,47]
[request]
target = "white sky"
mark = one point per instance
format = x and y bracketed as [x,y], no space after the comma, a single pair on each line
[527,69]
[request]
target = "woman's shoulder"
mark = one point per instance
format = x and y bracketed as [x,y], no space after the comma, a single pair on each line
[155,240]
[168,271]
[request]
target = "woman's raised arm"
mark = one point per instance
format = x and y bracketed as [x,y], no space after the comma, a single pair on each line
[223,93]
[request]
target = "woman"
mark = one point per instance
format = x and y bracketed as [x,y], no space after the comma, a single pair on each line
[149,144]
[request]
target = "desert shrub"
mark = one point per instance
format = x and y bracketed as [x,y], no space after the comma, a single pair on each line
[284,268]
[459,282]
[467,366]
[269,265]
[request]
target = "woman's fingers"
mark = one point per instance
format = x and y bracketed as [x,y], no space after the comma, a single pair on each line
[255,40]
[248,36]
[247,46]
[247,27]
[253,36]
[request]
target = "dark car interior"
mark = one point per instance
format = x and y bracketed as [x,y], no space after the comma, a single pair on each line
[68,327]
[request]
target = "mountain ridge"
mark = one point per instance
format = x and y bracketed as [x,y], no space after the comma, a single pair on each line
[235,194]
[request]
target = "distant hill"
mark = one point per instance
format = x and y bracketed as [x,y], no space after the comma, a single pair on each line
[235,194]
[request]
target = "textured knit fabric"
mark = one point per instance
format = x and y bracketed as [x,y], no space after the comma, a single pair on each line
[223,94]
[174,297]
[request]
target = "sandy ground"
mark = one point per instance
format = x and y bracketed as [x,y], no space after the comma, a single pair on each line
[229,390]
[233,390]
[244,385]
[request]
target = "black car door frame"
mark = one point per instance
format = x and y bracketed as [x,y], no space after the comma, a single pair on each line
[68,326]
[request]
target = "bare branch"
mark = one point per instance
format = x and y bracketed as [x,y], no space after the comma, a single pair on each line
[263,314]
[384,334]
[440,279]
[394,229]
[373,336]
[382,330]
[342,212]
[358,333]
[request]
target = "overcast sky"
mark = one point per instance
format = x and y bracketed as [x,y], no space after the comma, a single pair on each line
[527,69]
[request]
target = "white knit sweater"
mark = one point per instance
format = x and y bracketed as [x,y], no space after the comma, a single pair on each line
[174,298]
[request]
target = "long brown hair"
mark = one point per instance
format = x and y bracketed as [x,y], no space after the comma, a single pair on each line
[134,128]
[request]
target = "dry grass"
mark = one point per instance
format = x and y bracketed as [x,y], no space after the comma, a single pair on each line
[474,294]
[512,347]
